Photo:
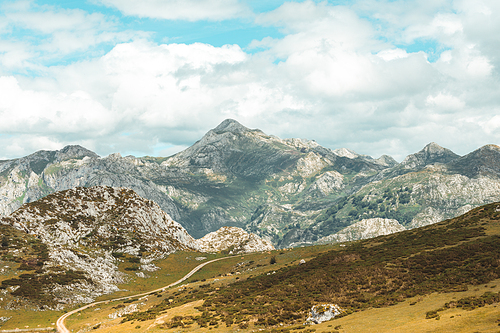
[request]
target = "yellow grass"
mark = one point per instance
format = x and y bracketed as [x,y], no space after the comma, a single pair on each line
[406,318]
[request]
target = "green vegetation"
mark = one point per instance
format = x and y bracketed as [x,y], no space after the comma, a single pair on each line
[53,169]
[467,303]
[36,287]
[391,204]
[29,254]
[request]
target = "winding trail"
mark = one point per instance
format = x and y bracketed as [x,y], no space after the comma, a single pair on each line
[61,328]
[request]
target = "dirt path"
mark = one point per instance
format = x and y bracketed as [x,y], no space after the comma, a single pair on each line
[61,328]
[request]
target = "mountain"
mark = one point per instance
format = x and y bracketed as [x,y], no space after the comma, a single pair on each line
[287,191]
[484,161]
[220,181]
[427,187]
[86,230]
[432,154]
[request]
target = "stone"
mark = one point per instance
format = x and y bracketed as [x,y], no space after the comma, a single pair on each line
[323,312]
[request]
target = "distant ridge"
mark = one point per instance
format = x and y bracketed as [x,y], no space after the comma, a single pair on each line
[287,191]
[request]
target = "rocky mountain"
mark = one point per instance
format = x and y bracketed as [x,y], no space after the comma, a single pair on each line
[234,241]
[90,231]
[87,230]
[483,162]
[287,191]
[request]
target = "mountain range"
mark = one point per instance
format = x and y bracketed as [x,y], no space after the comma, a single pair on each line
[287,191]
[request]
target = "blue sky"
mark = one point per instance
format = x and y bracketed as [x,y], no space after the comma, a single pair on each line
[151,77]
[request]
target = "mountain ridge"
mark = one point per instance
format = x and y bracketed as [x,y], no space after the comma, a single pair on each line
[229,175]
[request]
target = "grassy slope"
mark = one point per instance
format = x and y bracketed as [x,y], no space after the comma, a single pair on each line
[21,256]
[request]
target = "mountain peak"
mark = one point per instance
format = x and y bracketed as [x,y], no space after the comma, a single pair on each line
[434,148]
[430,154]
[490,147]
[74,151]
[230,125]
[344,152]
[482,161]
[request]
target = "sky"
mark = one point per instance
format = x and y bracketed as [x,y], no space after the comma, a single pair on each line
[151,77]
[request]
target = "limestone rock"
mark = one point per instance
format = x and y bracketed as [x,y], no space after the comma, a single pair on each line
[236,240]
[367,228]
[329,182]
[323,312]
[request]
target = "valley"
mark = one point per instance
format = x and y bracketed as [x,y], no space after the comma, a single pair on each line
[429,281]
[440,278]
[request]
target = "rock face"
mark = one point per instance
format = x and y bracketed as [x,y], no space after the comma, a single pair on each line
[323,312]
[87,229]
[234,240]
[288,191]
[364,229]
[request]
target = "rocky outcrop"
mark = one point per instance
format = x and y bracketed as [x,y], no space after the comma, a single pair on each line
[387,160]
[344,152]
[234,240]
[329,182]
[323,312]
[364,229]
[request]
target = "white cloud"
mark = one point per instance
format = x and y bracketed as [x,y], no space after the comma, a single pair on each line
[142,88]
[52,34]
[37,112]
[190,10]
[492,125]
[392,54]
[337,76]
[445,102]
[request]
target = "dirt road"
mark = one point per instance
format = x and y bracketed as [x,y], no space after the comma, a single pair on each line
[61,328]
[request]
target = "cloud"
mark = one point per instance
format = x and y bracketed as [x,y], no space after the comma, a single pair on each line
[344,76]
[445,101]
[189,10]
[158,94]
[27,111]
[32,36]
